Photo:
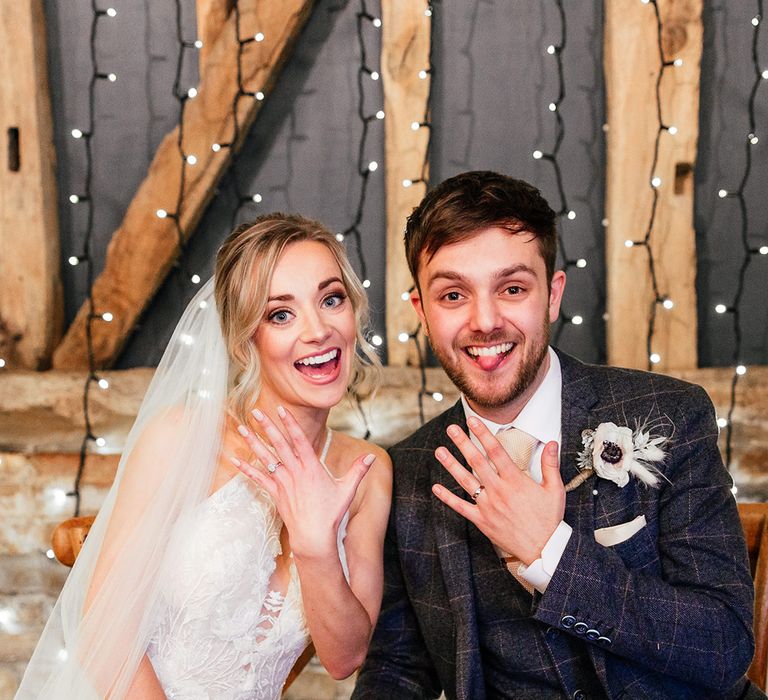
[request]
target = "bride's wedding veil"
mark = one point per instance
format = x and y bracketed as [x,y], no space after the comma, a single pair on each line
[101,624]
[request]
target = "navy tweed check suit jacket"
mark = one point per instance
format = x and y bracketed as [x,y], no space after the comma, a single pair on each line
[671,606]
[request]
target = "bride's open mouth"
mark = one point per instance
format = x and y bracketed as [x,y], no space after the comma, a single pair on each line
[324,365]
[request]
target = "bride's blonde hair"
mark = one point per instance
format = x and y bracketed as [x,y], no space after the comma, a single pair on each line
[243,274]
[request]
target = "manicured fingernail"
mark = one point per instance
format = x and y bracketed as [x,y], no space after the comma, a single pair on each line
[452,430]
[281,412]
[473,422]
[243,430]
[441,453]
[368,460]
[235,461]
[257,414]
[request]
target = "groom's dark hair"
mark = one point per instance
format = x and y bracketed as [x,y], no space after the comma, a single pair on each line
[465,204]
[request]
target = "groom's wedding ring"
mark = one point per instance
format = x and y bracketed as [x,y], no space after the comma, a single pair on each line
[272,466]
[480,488]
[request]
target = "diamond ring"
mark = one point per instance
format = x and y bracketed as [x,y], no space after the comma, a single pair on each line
[272,466]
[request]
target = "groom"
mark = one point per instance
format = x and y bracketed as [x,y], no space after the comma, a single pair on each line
[598,552]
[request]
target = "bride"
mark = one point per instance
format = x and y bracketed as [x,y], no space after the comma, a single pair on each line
[239,525]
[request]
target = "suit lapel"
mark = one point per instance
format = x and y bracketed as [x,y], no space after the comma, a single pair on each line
[452,540]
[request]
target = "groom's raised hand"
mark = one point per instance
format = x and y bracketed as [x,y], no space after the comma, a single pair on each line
[510,508]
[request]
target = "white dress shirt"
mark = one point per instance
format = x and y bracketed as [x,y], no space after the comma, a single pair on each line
[540,418]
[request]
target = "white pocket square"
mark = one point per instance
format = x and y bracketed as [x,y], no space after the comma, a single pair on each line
[610,536]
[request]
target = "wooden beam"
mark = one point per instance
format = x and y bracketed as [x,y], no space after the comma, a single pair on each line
[632,66]
[404,55]
[212,17]
[31,309]
[144,247]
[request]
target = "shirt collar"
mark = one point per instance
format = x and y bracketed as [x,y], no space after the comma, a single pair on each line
[540,417]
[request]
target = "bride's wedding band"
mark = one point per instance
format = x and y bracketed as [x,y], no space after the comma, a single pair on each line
[272,466]
[480,488]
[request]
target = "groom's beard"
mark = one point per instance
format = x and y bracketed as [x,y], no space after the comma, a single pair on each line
[507,387]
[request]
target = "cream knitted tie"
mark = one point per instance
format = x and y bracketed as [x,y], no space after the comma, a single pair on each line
[519,446]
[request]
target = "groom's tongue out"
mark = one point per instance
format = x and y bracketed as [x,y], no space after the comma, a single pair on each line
[488,358]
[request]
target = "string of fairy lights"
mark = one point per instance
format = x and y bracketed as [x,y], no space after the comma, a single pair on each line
[749,251]
[84,259]
[564,213]
[660,299]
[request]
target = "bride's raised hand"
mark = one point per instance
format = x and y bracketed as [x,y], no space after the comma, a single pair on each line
[310,501]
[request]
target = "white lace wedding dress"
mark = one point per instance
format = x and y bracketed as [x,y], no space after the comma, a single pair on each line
[224,631]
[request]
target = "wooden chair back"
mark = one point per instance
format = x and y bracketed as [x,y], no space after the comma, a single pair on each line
[67,541]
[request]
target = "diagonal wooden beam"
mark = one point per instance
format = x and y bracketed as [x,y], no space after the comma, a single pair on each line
[31,311]
[145,246]
[211,19]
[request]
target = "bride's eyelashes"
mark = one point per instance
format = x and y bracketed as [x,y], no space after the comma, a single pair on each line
[284,315]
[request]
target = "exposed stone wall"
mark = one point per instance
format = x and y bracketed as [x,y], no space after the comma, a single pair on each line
[40,435]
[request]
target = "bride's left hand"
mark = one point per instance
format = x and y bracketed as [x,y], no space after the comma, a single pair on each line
[310,501]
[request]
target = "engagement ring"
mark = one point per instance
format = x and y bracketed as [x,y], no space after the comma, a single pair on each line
[272,466]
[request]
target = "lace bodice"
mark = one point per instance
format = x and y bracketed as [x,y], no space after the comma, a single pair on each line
[222,631]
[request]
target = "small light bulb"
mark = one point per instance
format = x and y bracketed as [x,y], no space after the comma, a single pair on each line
[103,383]
[755,21]
[577,320]
[203,304]
[111,12]
[763,250]
[604,223]
[423,74]
[581,263]
[722,422]
[571,215]
[107,316]
[376,340]
[656,182]
[668,304]
[551,49]
[186,339]
[405,296]
[63,655]
[339,237]
[216,147]
[192,160]
[722,194]
[374,75]
[77,134]
[721,308]
[195,279]
[74,198]
[552,107]
[259,95]
[606,128]
[198,44]
[101,442]
[50,554]
[672,130]
[741,370]
[437,396]
[403,337]
[655,358]
[415,126]
[380,114]
[366,283]
[192,93]
[112,77]
[2,363]
[373,166]
[678,62]
[628,243]
[407,182]
[376,22]
[764,74]
[753,139]
[734,490]
[428,12]
[161,213]
[73,260]
[257,198]
[537,155]
[259,36]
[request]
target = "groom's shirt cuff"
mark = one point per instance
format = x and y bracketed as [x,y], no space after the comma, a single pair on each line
[539,573]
